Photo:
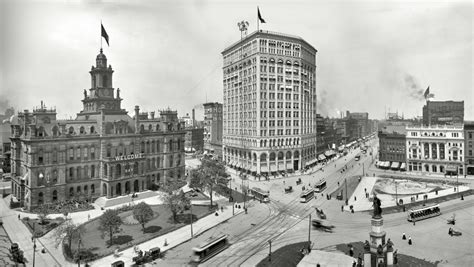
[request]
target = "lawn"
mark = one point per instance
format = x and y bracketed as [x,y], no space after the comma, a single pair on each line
[41,229]
[289,255]
[131,233]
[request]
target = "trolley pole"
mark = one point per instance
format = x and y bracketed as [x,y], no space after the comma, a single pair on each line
[192,236]
[396,191]
[270,251]
[309,234]
[345,182]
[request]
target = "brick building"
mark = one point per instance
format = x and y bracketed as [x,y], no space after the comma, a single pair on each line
[469,147]
[443,112]
[213,128]
[392,146]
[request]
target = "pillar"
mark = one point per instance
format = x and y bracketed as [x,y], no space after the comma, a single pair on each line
[437,151]
[429,150]
[367,259]
[389,258]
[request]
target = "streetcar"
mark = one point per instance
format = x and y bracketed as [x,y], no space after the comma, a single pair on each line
[307,195]
[424,213]
[210,248]
[320,186]
[259,194]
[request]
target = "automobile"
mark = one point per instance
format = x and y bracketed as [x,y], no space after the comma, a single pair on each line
[148,256]
[319,225]
[288,189]
[320,213]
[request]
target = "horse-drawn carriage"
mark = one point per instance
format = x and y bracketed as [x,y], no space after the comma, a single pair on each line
[452,220]
[298,182]
[288,189]
[453,232]
[320,213]
[148,256]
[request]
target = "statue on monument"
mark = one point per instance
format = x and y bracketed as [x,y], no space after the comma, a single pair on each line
[389,245]
[380,250]
[85,93]
[377,207]
[367,246]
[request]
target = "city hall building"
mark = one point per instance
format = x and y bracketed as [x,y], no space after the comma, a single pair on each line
[269,107]
[103,152]
[437,149]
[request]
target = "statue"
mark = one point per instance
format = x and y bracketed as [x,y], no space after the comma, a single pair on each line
[380,250]
[85,93]
[389,245]
[367,246]
[377,207]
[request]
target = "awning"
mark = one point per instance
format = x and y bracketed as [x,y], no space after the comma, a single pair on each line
[321,157]
[231,163]
[328,153]
[289,166]
[281,166]
[238,164]
[273,167]
[264,168]
[306,164]
[451,168]
[376,164]
[395,165]
[403,166]
[253,168]
[340,148]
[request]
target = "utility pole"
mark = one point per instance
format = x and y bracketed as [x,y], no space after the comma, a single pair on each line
[345,182]
[79,253]
[270,251]
[192,236]
[396,191]
[34,248]
[309,234]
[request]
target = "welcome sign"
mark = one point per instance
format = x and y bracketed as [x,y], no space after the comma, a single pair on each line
[130,157]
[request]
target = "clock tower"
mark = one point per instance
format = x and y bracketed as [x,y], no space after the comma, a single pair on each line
[101,94]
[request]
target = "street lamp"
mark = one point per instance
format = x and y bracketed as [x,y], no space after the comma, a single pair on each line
[79,253]
[270,251]
[34,247]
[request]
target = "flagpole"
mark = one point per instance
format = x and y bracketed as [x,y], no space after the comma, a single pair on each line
[100,34]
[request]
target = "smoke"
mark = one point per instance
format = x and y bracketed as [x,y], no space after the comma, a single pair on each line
[5,106]
[413,88]
[323,105]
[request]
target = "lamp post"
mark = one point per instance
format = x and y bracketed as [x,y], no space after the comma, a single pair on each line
[270,251]
[79,253]
[192,235]
[34,247]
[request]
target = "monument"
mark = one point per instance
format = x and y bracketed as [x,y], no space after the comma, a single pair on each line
[377,250]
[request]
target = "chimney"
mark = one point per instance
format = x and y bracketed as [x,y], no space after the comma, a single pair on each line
[194,118]
[152,114]
[137,119]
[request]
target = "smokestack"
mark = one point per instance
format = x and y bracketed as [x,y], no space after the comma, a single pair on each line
[194,118]
[137,120]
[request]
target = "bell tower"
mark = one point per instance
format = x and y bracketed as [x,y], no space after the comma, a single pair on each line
[101,94]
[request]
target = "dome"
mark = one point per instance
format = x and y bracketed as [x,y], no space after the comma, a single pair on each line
[101,56]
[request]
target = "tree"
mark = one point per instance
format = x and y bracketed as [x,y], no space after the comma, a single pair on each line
[195,180]
[67,230]
[143,213]
[212,173]
[43,212]
[176,202]
[110,224]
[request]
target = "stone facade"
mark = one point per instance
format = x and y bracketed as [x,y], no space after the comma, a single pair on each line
[213,128]
[437,149]
[269,103]
[103,152]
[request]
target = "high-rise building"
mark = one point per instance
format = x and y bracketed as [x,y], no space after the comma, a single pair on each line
[213,129]
[443,112]
[269,103]
[469,147]
[104,152]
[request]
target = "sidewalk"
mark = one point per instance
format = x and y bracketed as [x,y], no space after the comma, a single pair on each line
[362,203]
[173,239]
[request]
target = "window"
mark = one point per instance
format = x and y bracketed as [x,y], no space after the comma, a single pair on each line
[71,172]
[78,153]
[92,152]
[92,171]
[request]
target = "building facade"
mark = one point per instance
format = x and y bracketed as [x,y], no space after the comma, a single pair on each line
[194,140]
[103,152]
[437,149]
[269,103]
[392,145]
[469,147]
[213,128]
[443,112]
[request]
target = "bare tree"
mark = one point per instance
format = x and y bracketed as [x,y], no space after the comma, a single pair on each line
[69,231]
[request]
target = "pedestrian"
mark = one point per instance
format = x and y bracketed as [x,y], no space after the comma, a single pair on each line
[88,217]
[413,222]
[409,240]
[404,236]
[355,198]
[18,216]
[342,208]
[222,209]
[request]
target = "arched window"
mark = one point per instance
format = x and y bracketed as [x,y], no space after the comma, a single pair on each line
[71,192]
[92,171]
[92,188]
[71,172]
[71,130]
[82,130]
[55,131]
[92,130]
[78,189]
[86,188]
[41,131]
[170,144]
[55,176]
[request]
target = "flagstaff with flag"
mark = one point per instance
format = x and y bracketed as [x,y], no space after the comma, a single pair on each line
[259,19]
[103,34]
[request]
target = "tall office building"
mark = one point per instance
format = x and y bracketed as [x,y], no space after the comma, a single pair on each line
[269,103]
[213,129]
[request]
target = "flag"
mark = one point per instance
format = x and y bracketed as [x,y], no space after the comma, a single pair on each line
[104,34]
[260,16]
[427,92]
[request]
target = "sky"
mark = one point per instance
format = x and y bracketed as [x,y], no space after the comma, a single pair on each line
[373,56]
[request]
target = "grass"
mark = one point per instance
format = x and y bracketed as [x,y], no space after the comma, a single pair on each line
[41,229]
[289,255]
[162,223]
